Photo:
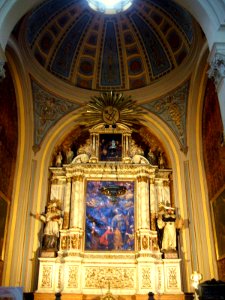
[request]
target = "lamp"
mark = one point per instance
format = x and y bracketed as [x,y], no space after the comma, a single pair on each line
[196,278]
[113,191]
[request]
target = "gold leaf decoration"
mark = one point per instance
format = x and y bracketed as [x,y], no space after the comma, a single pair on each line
[110,108]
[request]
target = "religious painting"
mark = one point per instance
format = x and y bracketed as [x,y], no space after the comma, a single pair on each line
[110,147]
[109,216]
[219,223]
[3,219]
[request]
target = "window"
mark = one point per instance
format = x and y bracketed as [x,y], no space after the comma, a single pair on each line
[110,6]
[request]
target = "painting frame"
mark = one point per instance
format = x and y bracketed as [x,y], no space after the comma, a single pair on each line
[110,147]
[109,221]
[4,211]
[218,211]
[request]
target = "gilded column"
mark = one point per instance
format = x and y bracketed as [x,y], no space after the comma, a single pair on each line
[58,189]
[153,205]
[80,214]
[159,193]
[94,139]
[67,204]
[143,200]
[138,206]
[75,202]
[166,192]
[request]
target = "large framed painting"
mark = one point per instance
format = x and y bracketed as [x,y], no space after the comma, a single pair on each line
[3,220]
[109,216]
[218,206]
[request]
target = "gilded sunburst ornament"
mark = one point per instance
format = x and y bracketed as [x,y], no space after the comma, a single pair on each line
[111,108]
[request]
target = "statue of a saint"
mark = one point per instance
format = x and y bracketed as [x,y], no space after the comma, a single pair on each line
[58,159]
[151,157]
[69,156]
[53,223]
[161,161]
[168,221]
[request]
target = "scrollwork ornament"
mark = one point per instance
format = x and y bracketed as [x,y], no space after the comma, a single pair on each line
[98,277]
[173,278]
[46,277]
[73,277]
[75,241]
[64,242]
[145,242]
[146,278]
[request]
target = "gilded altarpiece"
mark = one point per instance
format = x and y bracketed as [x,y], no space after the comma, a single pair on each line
[108,234]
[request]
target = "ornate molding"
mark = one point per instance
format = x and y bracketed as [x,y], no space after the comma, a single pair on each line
[172,109]
[99,277]
[46,280]
[146,278]
[48,110]
[72,277]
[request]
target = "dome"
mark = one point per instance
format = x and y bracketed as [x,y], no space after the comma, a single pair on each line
[96,51]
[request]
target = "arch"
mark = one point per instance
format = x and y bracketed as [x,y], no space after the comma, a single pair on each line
[29,165]
[17,222]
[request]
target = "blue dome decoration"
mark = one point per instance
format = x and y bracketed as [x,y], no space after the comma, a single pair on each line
[97,51]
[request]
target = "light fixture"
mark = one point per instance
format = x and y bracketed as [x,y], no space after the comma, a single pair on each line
[196,278]
[113,191]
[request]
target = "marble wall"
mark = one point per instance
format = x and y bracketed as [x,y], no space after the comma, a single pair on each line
[214,152]
[8,150]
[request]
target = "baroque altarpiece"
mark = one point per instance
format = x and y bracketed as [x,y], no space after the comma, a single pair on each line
[109,196]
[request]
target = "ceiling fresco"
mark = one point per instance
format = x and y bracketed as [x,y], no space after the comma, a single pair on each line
[95,51]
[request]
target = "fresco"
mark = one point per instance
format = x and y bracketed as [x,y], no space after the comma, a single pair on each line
[109,219]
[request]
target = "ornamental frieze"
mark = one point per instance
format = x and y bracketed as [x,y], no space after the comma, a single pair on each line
[100,277]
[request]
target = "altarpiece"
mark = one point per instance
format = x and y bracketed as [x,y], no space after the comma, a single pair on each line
[109,196]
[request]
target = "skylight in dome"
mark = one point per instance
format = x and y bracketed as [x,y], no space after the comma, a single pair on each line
[110,6]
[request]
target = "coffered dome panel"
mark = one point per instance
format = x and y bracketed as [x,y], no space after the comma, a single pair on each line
[97,51]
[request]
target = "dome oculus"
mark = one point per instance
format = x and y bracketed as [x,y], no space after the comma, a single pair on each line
[110,6]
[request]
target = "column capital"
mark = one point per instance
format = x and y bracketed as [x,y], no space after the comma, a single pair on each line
[217,63]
